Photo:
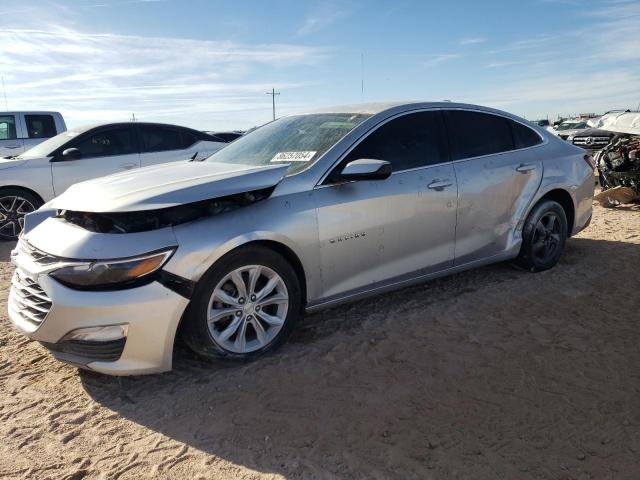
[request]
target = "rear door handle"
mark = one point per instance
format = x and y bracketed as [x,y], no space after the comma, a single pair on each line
[128,166]
[439,185]
[525,168]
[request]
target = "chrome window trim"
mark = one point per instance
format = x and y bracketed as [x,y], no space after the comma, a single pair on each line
[544,140]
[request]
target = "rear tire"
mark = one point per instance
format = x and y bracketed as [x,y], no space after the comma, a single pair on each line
[543,237]
[15,203]
[230,316]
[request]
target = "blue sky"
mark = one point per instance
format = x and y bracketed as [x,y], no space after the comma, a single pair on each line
[208,64]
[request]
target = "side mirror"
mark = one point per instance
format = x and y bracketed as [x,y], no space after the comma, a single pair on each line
[71,154]
[366,169]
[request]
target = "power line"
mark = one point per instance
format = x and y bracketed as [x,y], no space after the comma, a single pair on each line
[273,94]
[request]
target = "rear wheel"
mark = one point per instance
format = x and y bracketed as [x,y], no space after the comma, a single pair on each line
[244,306]
[543,237]
[14,205]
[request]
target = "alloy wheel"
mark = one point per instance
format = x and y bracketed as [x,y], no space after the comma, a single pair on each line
[546,237]
[247,309]
[13,208]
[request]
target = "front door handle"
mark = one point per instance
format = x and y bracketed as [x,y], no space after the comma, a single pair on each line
[439,185]
[128,166]
[525,168]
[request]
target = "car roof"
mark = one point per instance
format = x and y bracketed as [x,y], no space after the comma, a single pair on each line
[85,128]
[375,108]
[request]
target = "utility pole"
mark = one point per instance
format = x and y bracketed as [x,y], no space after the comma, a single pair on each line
[273,94]
[4,92]
[362,77]
[133,117]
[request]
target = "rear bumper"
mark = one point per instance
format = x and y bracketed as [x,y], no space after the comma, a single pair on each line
[151,313]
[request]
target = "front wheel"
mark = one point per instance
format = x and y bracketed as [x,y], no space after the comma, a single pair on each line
[543,237]
[244,306]
[14,205]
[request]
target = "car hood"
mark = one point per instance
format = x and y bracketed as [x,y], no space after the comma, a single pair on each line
[627,122]
[166,185]
[8,162]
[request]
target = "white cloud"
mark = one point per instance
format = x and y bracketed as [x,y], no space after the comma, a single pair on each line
[322,18]
[472,40]
[439,58]
[105,77]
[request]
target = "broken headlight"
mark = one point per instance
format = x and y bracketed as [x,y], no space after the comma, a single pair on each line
[111,273]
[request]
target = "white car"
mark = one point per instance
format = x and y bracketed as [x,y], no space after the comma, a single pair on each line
[48,169]
[20,131]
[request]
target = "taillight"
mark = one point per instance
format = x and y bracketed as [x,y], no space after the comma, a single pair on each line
[590,161]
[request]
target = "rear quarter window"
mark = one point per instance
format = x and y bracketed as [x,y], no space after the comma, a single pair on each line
[523,136]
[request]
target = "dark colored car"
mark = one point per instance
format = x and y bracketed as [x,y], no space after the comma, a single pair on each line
[591,139]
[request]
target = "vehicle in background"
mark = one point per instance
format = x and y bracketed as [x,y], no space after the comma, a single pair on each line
[619,162]
[227,136]
[48,169]
[541,123]
[591,139]
[19,131]
[569,127]
[301,214]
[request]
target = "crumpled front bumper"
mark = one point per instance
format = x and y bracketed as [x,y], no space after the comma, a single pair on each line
[151,313]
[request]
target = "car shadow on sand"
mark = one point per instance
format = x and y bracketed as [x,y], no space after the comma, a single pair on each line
[432,378]
[5,250]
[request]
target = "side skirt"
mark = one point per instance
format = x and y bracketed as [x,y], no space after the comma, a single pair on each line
[406,281]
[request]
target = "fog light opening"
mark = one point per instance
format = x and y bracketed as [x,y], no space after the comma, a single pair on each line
[109,333]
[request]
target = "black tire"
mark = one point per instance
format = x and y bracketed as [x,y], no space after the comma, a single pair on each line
[10,224]
[543,239]
[195,329]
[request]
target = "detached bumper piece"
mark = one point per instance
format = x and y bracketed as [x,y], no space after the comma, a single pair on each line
[88,351]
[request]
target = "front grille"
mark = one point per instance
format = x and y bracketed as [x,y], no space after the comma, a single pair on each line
[27,299]
[591,142]
[37,256]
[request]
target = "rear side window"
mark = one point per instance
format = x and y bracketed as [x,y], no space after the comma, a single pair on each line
[160,139]
[524,136]
[410,141]
[40,126]
[117,141]
[472,134]
[8,127]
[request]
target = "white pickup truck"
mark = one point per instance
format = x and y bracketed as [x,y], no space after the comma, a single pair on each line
[19,131]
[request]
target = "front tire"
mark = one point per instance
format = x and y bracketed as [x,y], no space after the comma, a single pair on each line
[244,306]
[543,237]
[15,203]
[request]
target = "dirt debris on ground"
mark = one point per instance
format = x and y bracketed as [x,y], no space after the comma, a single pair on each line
[490,374]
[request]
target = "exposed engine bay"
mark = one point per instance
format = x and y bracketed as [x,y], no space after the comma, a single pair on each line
[142,221]
[619,163]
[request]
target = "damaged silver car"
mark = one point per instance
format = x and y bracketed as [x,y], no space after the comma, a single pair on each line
[301,214]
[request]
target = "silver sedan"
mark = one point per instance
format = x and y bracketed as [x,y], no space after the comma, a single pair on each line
[300,214]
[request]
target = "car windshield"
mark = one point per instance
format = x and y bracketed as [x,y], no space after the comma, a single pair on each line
[571,125]
[49,146]
[297,140]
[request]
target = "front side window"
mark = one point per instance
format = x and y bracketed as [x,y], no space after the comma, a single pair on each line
[297,141]
[105,143]
[473,134]
[40,126]
[410,141]
[8,127]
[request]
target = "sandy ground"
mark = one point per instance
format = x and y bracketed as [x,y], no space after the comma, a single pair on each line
[490,374]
